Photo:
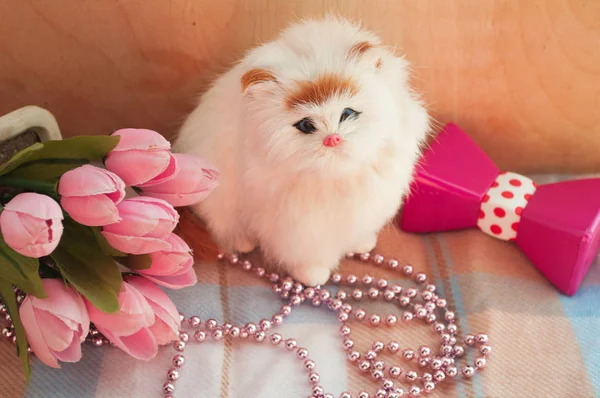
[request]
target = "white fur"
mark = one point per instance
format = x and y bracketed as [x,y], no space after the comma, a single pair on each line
[305,204]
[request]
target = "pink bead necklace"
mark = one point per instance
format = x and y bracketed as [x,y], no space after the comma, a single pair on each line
[418,305]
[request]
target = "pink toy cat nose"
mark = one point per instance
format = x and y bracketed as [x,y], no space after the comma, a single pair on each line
[332,140]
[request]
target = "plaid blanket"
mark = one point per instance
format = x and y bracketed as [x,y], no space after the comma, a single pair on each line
[545,344]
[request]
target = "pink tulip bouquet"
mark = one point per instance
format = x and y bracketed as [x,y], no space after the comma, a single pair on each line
[87,239]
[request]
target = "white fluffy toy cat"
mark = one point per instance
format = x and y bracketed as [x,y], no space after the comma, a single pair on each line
[316,135]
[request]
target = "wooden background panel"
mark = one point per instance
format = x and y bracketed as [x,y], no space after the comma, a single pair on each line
[522,77]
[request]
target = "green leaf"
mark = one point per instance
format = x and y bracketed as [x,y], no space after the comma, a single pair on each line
[137,262]
[93,273]
[46,170]
[8,298]
[83,147]
[104,245]
[21,271]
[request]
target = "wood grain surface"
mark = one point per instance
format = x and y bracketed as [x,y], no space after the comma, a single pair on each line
[522,77]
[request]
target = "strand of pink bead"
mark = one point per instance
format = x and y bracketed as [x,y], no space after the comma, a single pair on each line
[420,303]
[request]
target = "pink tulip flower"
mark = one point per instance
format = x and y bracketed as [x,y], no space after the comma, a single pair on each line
[31,224]
[90,194]
[141,158]
[144,226]
[57,325]
[129,328]
[166,317]
[195,181]
[172,268]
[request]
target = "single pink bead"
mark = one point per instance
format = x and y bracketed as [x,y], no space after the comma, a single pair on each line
[309,364]
[373,293]
[295,299]
[388,295]
[328,395]
[351,279]
[264,324]
[421,313]
[414,391]
[430,318]
[360,314]
[408,354]
[439,327]
[468,371]
[324,295]
[481,338]
[336,278]
[378,259]
[480,362]
[439,376]
[420,277]
[313,378]
[212,324]
[381,393]
[364,257]
[379,364]
[411,292]
[274,277]
[364,366]
[436,364]
[343,316]
[350,255]
[387,384]
[348,344]
[277,319]
[291,344]
[449,316]
[357,294]
[451,371]
[341,294]
[469,339]
[375,320]
[246,265]
[317,391]
[396,394]
[424,351]
[345,394]
[393,347]
[234,332]
[276,338]
[354,356]
[458,351]
[217,334]
[392,263]
[260,272]
[395,371]
[309,293]
[411,375]
[286,310]
[391,320]
[404,301]
[407,316]
[424,362]
[371,355]
[347,307]
[367,279]
[345,330]
[378,346]
[195,321]
[251,328]
[429,306]
[427,295]
[302,353]
[485,350]
[429,386]
[377,374]
[442,303]
[363,394]
[382,283]
[407,270]
[259,336]
[200,335]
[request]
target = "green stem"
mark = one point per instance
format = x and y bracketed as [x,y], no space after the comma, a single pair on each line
[46,187]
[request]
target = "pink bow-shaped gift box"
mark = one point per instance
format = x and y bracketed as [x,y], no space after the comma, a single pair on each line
[556,225]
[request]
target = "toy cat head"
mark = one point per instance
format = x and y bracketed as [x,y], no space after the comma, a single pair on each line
[328,97]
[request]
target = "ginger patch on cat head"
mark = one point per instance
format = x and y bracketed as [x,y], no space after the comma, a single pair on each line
[360,48]
[318,91]
[255,76]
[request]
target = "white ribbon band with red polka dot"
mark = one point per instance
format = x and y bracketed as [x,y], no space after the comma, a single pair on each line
[501,207]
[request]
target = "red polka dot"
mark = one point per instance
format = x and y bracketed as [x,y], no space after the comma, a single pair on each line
[518,211]
[512,239]
[481,214]
[535,185]
[527,196]
[486,198]
[499,212]
[508,194]
[515,226]
[495,184]
[515,183]
[496,229]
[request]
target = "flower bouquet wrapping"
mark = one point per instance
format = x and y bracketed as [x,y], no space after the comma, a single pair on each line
[87,239]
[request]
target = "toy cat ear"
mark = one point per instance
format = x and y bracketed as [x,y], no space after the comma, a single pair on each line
[256,76]
[367,51]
